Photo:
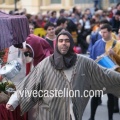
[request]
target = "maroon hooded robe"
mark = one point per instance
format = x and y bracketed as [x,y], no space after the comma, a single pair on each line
[40,48]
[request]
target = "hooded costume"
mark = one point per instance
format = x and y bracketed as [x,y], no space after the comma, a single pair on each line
[40,49]
[60,61]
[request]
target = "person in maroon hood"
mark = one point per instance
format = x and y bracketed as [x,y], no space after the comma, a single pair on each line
[36,50]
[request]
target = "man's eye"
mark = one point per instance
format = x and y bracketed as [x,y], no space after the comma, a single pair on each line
[67,41]
[60,40]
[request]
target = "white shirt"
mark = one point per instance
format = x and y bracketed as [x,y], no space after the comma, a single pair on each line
[68,74]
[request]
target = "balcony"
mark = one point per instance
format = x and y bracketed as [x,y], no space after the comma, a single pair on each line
[7,5]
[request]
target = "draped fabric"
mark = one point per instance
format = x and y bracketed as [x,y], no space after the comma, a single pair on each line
[28,68]
[14,29]
[8,115]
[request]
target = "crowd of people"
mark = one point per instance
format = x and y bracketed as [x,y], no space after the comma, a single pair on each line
[80,23]
[53,61]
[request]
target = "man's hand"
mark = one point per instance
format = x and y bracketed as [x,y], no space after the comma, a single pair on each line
[9,107]
[111,52]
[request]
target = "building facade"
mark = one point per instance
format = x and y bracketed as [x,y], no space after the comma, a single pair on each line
[35,6]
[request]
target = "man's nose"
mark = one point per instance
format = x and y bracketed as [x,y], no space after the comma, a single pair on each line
[63,42]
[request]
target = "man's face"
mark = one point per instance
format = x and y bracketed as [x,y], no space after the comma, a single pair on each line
[63,44]
[51,31]
[105,34]
[28,52]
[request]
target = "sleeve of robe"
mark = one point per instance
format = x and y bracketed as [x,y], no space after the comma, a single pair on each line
[104,79]
[31,83]
[14,101]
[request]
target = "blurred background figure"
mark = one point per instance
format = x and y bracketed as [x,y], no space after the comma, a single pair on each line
[50,33]
[53,17]
[119,34]
[31,27]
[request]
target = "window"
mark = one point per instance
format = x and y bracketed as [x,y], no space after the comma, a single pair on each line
[55,1]
[83,1]
[113,1]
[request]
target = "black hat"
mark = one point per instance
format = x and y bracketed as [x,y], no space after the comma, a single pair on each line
[20,45]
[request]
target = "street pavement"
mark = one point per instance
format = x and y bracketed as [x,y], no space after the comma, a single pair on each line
[102,111]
